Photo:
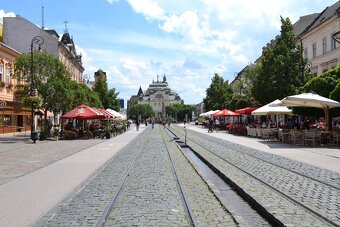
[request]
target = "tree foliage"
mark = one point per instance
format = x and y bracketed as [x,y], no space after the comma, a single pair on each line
[279,73]
[218,94]
[107,97]
[54,90]
[179,111]
[144,110]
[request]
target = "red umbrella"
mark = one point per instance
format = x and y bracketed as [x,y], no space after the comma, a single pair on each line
[246,110]
[83,112]
[225,112]
[107,114]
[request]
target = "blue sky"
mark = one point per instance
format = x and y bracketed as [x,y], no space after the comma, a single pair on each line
[187,40]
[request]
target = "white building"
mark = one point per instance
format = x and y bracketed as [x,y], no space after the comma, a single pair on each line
[320,48]
[158,96]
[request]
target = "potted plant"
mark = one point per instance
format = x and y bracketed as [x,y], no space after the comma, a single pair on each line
[3,84]
[107,134]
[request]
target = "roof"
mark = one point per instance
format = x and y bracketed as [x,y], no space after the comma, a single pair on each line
[140,91]
[326,14]
[303,23]
[52,32]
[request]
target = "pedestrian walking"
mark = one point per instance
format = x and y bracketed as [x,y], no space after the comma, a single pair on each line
[211,124]
[153,122]
[137,124]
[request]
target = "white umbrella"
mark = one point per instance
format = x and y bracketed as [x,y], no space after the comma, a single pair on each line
[275,107]
[207,114]
[115,113]
[312,100]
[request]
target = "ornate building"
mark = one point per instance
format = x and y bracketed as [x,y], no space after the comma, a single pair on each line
[14,116]
[158,96]
[19,32]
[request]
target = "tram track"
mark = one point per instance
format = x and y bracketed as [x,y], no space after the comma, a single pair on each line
[186,204]
[113,204]
[238,165]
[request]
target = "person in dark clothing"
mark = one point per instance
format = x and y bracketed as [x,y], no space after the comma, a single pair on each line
[211,125]
[137,123]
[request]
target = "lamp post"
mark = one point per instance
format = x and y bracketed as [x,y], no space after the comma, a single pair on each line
[39,41]
[335,36]
[302,64]
[85,78]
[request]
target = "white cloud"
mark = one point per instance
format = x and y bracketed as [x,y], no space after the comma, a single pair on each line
[3,14]
[112,1]
[149,8]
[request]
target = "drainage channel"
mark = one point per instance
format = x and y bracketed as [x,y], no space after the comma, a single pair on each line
[234,203]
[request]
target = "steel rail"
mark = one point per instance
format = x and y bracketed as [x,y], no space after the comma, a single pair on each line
[113,200]
[280,166]
[267,184]
[181,190]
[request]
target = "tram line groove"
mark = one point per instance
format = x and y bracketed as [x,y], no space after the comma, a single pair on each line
[265,183]
[180,187]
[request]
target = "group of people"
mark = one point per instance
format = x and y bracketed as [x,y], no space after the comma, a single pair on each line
[150,120]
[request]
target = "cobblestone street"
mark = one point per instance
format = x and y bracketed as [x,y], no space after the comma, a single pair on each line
[150,195]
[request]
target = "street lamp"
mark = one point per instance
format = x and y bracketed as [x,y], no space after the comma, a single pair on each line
[302,62]
[39,41]
[85,78]
[335,36]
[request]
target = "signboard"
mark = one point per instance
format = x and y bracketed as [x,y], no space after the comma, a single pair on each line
[3,104]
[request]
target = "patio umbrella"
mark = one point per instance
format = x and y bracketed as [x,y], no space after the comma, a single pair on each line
[117,114]
[247,110]
[207,114]
[312,100]
[107,114]
[274,107]
[225,112]
[83,112]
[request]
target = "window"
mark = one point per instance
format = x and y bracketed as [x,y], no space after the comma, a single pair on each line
[1,72]
[314,50]
[333,43]
[324,45]
[306,53]
[8,120]
[8,75]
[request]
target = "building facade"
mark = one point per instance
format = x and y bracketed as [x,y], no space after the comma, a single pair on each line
[158,96]
[320,48]
[19,32]
[13,115]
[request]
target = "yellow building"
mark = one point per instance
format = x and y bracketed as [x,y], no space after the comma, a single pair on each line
[13,116]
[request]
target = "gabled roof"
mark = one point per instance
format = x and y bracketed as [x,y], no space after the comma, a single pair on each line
[324,16]
[52,32]
[303,23]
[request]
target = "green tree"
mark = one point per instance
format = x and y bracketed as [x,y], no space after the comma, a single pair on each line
[107,97]
[279,73]
[48,73]
[113,101]
[218,94]
[145,110]
[179,111]
[81,94]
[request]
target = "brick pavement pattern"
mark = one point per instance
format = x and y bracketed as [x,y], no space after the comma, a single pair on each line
[19,157]
[207,210]
[323,199]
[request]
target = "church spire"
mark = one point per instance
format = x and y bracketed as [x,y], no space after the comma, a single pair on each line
[140,91]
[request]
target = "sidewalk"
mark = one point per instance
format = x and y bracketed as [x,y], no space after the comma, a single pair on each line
[323,157]
[25,199]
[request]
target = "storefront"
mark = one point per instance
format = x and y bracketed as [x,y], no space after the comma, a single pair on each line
[14,117]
